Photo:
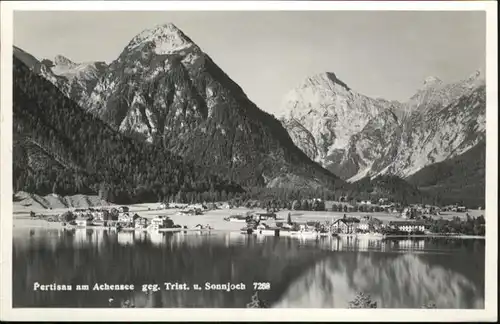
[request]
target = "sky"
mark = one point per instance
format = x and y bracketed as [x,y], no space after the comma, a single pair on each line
[384,54]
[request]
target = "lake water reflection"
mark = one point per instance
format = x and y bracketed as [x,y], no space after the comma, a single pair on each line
[322,273]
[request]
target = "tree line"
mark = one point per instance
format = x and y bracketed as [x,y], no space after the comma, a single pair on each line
[456,225]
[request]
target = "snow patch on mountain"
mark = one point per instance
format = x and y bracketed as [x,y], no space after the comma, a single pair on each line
[167,38]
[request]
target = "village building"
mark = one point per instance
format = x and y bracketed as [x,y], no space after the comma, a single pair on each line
[124,218]
[345,225]
[364,225]
[161,222]
[141,222]
[80,212]
[123,209]
[370,224]
[307,226]
[408,226]
[411,212]
[97,215]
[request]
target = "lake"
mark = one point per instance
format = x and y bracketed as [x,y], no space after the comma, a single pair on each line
[290,272]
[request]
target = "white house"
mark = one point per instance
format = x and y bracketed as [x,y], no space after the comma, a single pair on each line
[98,215]
[363,225]
[408,226]
[161,222]
[345,225]
[124,218]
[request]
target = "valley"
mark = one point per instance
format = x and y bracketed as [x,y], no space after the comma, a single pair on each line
[163,94]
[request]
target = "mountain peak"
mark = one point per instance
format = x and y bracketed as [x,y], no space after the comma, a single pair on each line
[325,77]
[432,81]
[63,60]
[166,38]
[163,29]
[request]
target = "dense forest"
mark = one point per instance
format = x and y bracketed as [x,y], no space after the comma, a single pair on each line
[59,148]
[460,180]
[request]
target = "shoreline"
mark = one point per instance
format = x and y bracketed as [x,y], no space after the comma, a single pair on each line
[56,225]
[215,220]
[454,236]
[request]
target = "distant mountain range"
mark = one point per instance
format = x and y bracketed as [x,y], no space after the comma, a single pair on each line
[356,136]
[168,97]
[75,80]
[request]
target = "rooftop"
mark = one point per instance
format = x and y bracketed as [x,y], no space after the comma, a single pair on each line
[408,222]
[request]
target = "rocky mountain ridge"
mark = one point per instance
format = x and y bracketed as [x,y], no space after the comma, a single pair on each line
[355,136]
[75,80]
[165,90]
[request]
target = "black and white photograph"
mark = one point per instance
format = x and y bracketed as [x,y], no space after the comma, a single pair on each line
[245,159]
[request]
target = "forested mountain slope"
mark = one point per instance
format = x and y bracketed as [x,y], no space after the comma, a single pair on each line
[58,147]
[458,180]
[165,90]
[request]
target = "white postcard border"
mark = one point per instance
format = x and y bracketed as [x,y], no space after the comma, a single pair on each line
[490,313]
